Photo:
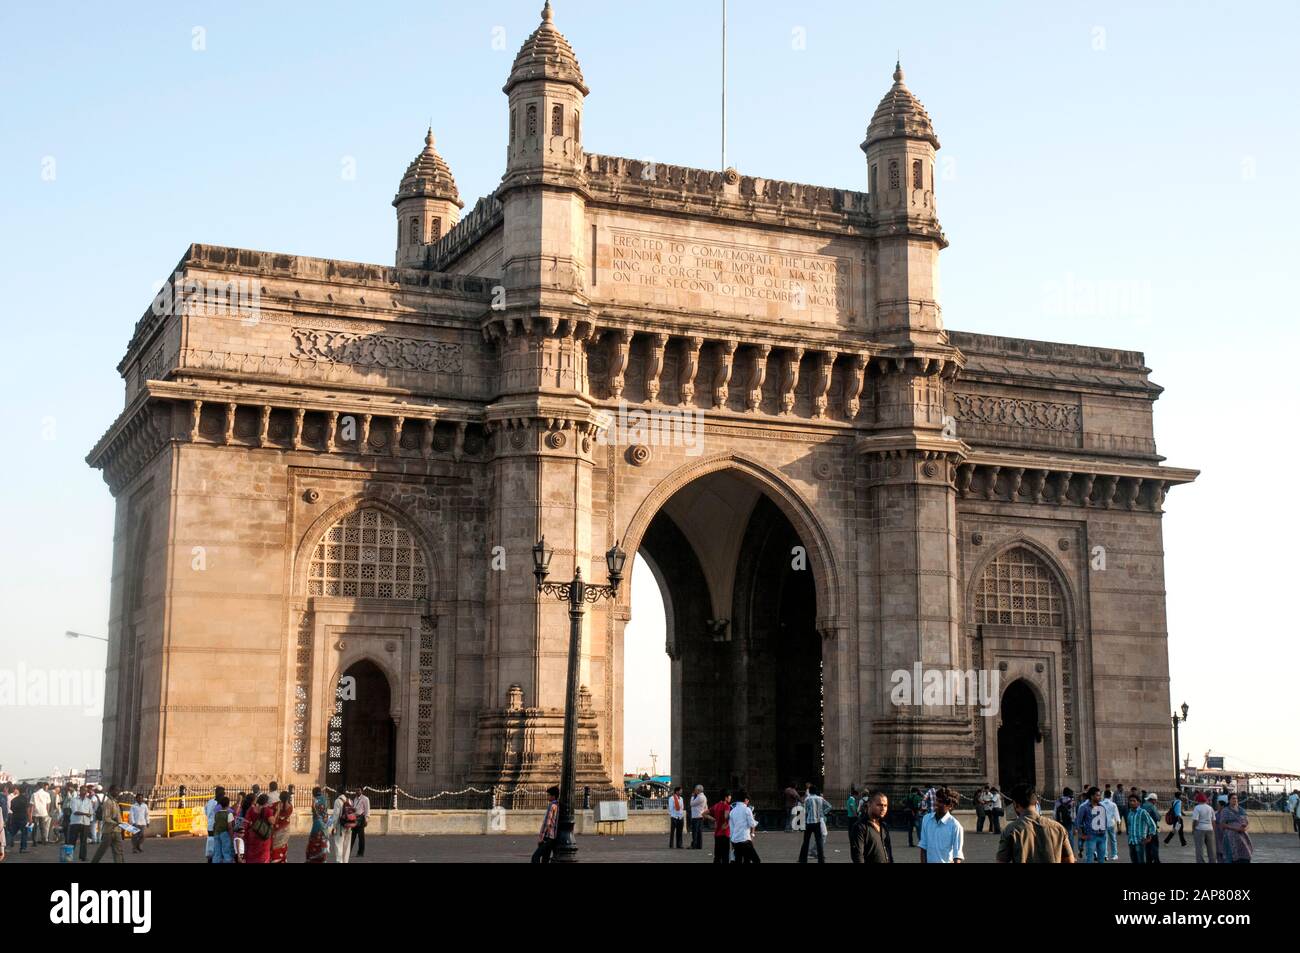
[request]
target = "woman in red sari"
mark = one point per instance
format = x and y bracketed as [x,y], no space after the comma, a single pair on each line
[257,844]
[280,829]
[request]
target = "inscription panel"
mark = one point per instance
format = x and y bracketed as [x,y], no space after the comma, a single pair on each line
[710,273]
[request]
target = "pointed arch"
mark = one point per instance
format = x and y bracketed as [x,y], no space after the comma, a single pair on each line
[1021,552]
[802,517]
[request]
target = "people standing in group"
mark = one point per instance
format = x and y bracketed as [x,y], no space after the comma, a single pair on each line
[223,832]
[1221,802]
[258,825]
[871,835]
[941,833]
[1203,831]
[20,817]
[210,812]
[362,805]
[981,808]
[1141,829]
[1091,823]
[280,825]
[912,815]
[995,809]
[815,808]
[317,838]
[243,803]
[1031,838]
[83,814]
[342,819]
[1111,806]
[791,794]
[721,812]
[699,810]
[742,824]
[139,815]
[676,817]
[41,813]
[550,830]
[1237,845]
[1174,818]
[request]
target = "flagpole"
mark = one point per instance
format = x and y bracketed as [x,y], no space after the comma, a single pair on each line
[724,84]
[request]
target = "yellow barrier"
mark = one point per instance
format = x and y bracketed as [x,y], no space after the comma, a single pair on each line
[185,819]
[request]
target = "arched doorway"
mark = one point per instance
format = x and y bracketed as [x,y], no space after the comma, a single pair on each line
[1017,736]
[362,733]
[740,597]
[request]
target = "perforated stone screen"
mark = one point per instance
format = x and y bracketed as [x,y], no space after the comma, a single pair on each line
[368,555]
[1018,589]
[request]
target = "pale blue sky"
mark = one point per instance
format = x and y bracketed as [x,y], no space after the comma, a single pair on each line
[1152,147]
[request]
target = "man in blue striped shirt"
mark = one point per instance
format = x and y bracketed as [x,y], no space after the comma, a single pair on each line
[815,808]
[1141,830]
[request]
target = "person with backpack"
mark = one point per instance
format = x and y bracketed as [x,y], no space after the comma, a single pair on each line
[1090,823]
[342,820]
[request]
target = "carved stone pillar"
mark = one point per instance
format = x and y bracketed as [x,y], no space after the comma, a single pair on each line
[620,346]
[757,373]
[690,366]
[655,366]
[822,384]
[722,374]
[790,378]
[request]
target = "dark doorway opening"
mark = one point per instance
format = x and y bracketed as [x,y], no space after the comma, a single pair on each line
[368,755]
[1017,736]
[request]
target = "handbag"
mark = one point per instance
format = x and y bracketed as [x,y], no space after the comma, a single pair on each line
[262,828]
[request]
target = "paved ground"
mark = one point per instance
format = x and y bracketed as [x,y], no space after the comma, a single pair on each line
[635,849]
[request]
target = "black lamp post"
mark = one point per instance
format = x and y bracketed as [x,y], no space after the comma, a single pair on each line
[577,594]
[1178,775]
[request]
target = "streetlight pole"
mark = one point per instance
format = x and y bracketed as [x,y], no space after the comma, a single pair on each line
[1178,779]
[577,594]
[82,635]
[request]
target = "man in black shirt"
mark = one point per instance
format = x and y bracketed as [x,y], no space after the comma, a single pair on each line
[872,833]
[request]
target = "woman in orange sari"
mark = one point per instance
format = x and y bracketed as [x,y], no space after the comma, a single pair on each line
[280,829]
[258,831]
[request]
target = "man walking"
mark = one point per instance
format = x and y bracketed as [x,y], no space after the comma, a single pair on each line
[362,805]
[676,817]
[1141,830]
[743,823]
[699,808]
[722,829]
[1032,838]
[1153,845]
[546,837]
[1175,818]
[941,832]
[814,811]
[110,828]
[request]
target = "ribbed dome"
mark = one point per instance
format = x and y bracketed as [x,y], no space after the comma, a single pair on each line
[900,114]
[429,176]
[546,55]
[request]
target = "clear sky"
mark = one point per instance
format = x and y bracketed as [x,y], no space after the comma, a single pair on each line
[1146,149]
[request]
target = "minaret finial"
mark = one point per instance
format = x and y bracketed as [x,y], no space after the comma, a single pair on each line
[546,12]
[428,137]
[898,70]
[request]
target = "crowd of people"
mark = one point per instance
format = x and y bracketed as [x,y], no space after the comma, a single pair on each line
[1086,829]
[253,827]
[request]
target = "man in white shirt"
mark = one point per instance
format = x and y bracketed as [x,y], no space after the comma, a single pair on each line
[41,814]
[699,807]
[941,833]
[340,830]
[1112,827]
[743,823]
[98,798]
[362,806]
[676,817]
[139,818]
[83,813]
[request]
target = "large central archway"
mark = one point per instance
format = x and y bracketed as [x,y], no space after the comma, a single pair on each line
[740,584]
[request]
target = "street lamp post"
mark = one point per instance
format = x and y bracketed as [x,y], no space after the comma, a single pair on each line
[82,635]
[1178,780]
[577,594]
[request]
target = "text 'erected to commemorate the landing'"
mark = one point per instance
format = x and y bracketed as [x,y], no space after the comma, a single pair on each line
[744,272]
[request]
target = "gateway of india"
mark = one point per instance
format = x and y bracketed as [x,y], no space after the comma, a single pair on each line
[329,477]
